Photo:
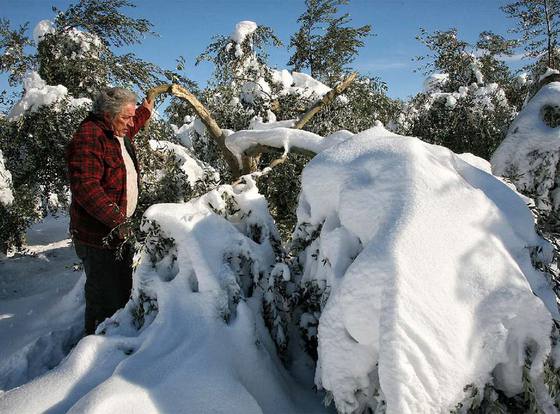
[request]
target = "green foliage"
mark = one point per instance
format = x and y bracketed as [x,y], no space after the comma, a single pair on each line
[16,218]
[281,188]
[538,23]
[325,44]
[243,63]
[474,120]
[33,146]
[78,54]
[144,310]
[450,55]
[13,58]
[362,104]
[104,19]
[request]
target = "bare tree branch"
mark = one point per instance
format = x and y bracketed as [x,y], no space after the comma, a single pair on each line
[250,157]
[205,116]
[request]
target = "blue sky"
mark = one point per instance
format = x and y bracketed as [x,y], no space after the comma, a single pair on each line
[185,27]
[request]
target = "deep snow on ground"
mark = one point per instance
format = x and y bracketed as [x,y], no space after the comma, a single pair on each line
[41,304]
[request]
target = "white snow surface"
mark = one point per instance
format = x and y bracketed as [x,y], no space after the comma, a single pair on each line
[430,273]
[300,83]
[549,71]
[41,29]
[38,93]
[530,152]
[294,83]
[41,305]
[6,194]
[184,357]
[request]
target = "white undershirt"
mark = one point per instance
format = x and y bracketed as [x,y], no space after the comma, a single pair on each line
[131,180]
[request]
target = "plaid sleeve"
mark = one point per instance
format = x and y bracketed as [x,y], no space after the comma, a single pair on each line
[140,117]
[85,168]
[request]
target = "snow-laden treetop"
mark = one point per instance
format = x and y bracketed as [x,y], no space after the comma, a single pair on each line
[41,29]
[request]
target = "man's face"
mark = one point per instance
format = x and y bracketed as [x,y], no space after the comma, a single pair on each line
[124,119]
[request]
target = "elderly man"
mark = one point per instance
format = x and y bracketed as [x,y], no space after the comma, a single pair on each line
[104,172]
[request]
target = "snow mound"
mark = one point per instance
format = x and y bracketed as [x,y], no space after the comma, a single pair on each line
[530,152]
[38,93]
[191,335]
[428,263]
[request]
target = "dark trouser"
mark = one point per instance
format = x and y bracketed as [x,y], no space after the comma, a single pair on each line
[108,282]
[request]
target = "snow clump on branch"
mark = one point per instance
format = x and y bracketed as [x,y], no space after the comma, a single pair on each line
[242,30]
[41,29]
[38,93]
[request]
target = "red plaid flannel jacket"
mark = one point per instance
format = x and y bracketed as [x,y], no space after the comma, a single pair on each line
[98,178]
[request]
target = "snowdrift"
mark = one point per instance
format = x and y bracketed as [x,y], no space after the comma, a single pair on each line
[427,260]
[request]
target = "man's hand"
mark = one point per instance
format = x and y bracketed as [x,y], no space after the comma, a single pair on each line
[124,231]
[148,104]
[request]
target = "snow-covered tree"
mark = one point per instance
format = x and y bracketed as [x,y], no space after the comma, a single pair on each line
[223,304]
[464,105]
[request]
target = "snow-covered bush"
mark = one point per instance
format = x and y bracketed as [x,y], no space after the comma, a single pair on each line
[469,98]
[473,119]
